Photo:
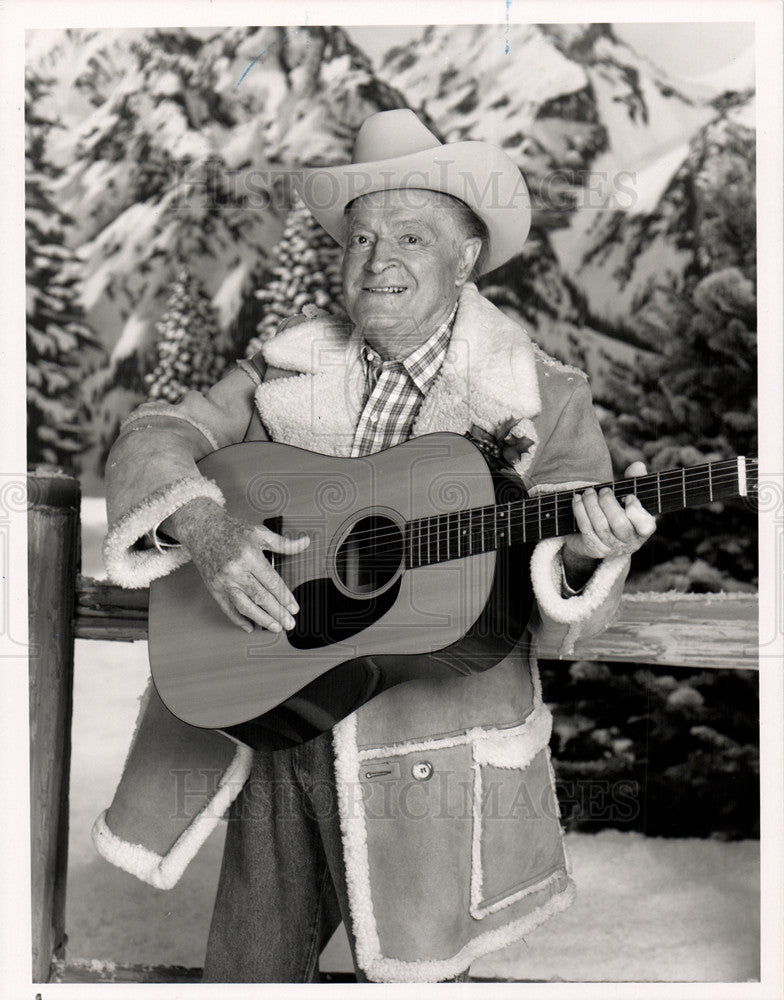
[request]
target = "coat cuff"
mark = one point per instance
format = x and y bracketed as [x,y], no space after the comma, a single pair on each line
[127,562]
[588,609]
[165,871]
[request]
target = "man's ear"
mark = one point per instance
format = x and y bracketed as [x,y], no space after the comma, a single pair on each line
[469,253]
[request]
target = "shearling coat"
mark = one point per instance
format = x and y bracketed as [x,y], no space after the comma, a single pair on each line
[476,859]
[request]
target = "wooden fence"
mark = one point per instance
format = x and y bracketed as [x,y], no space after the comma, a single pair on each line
[692,630]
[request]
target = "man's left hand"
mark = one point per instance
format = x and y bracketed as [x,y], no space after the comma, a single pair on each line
[605,528]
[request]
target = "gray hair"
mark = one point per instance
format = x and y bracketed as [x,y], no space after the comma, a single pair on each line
[474,228]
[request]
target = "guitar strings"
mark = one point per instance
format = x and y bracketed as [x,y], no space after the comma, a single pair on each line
[542,508]
[519,515]
[438,530]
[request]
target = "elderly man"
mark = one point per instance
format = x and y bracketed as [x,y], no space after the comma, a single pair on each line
[331,829]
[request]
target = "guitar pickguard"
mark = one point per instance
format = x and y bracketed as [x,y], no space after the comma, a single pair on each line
[327,616]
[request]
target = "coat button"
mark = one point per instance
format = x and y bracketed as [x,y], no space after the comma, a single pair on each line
[423,770]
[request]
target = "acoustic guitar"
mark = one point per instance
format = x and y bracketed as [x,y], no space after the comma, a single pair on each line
[417,568]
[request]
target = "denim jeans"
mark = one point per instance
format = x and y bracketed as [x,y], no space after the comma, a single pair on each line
[282,887]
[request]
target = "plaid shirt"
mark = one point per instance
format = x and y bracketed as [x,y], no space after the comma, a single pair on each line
[394,391]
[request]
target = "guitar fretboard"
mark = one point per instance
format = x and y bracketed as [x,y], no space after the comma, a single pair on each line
[454,535]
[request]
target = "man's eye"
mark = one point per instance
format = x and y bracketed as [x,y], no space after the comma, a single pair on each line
[411,240]
[358,240]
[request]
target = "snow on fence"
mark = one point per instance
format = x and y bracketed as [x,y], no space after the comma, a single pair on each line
[690,630]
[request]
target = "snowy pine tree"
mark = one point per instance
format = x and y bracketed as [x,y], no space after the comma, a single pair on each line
[698,401]
[57,337]
[307,273]
[186,355]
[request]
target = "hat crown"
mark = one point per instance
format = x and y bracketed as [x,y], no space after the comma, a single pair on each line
[389,134]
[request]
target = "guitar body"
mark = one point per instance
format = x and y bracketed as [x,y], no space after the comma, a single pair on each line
[367,621]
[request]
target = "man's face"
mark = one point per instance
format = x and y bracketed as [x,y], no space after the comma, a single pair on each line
[404,264]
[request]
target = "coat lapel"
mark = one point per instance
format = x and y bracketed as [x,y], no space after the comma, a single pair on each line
[320,408]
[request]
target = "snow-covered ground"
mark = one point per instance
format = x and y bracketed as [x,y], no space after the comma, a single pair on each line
[647,909]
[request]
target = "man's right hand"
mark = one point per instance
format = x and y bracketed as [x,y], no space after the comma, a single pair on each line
[228,554]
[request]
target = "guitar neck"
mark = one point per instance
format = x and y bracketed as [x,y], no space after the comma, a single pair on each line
[456,534]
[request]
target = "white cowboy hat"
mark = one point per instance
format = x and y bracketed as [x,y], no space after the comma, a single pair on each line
[393,149]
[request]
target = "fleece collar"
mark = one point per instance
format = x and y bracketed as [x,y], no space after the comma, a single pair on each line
[488,379]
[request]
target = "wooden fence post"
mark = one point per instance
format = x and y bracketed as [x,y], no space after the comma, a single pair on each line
[53,562]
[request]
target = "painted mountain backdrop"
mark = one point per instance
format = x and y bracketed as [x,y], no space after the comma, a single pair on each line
[167,149]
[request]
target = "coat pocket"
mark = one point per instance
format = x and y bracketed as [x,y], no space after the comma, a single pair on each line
[516,845]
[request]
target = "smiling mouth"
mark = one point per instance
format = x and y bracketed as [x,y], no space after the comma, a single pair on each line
[386,289]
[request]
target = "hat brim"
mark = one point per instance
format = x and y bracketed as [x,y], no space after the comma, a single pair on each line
[479,174]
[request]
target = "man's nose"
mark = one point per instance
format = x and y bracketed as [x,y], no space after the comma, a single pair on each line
[382,255]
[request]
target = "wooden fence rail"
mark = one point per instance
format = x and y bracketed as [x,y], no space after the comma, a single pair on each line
[690,630]
[687,630]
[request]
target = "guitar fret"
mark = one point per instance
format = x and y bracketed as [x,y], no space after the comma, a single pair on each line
[658,491]
[438,538]
[683,486]
[710,482]
[539,513]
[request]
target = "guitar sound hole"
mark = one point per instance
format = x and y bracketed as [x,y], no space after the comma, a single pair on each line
[370,556]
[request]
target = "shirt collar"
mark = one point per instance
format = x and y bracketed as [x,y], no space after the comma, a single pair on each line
[424,362]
